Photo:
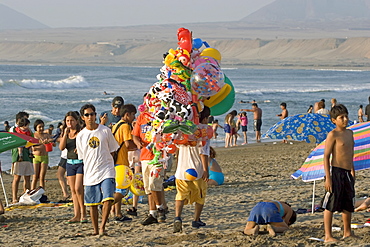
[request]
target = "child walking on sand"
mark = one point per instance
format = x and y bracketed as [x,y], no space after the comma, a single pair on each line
[122,134]
[41,159]
[339,183]
[194,191]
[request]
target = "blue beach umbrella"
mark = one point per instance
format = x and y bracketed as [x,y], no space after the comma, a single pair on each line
[308,127]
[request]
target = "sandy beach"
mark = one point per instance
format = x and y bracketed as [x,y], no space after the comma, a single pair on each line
[254,172]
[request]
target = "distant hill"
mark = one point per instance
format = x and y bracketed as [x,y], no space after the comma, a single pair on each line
[312,10]
[11,19]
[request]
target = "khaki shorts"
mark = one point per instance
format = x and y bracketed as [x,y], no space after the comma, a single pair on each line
[23,168]
[151,182]
[191,191]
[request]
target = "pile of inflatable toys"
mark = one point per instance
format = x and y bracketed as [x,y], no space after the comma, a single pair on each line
[190,79]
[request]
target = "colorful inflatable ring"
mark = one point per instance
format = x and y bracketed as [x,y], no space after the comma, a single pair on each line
[225,105]
[123,177]
[137,185]
[220,96]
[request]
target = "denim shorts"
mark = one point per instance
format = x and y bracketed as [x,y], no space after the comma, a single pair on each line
[123,192]
[96,194]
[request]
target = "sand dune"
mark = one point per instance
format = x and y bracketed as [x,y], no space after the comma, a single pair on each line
[138,46]
[352,52]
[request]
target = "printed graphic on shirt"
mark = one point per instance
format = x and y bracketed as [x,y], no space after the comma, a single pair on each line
[94,142]
[145,128]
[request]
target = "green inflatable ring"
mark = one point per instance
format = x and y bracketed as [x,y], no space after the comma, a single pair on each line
[226,104]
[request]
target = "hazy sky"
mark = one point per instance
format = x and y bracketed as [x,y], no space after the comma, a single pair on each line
[87,13]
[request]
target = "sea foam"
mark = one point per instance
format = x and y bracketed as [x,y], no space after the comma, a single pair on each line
[317,89]
[70,82]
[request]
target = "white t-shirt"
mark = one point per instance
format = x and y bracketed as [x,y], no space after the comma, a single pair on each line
[94,147]
[189,157]
[63,154]
[323,111]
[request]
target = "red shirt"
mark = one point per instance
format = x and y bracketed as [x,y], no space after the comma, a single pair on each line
[140,130]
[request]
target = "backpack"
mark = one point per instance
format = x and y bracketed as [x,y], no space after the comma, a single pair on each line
[115,153]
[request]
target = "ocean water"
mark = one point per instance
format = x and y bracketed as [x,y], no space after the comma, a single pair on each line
[48,92]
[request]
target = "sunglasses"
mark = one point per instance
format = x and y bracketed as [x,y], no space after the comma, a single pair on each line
[90,114]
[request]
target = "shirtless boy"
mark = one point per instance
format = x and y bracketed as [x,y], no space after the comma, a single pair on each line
[339,184]
[284,111]
[257,120]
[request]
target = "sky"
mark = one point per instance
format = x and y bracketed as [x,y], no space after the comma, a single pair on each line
[100,13]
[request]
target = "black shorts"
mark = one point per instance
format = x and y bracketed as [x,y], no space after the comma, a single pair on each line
[63,163]
[257,123]
[343,191]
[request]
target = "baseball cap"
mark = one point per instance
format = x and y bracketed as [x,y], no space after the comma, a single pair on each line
[118,102]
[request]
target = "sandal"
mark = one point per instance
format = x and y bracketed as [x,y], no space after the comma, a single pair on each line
[84,221]
[132,211]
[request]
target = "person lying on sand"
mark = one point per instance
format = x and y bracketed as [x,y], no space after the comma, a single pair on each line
[362,205]
[278,216]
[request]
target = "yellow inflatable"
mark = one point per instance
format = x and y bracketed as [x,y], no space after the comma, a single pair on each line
[124,177]
[137,185]
[211,52]
[219,96]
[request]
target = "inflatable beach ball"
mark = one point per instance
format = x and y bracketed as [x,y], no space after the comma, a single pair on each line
[128,199]
[191,174]
[137,185]
[207,79]
[124,177]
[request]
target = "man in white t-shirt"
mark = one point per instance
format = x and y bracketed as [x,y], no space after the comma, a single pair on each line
[95,145]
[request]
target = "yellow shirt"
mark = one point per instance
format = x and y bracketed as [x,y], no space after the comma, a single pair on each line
[123,134]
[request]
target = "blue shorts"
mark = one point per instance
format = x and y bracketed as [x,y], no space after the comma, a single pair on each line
[96,194]
[74,167]
[217,176]
[264,213]
[245,128]
[123,192]
[227,128]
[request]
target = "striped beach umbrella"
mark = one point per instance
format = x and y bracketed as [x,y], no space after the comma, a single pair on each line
[313,167]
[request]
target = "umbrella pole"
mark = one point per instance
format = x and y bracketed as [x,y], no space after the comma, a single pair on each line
[2,184]
[313,197]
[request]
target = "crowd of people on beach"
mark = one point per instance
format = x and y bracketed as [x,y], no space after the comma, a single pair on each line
[91,153]
[235,121]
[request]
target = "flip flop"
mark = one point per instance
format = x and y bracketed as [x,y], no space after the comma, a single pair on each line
[84,221]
